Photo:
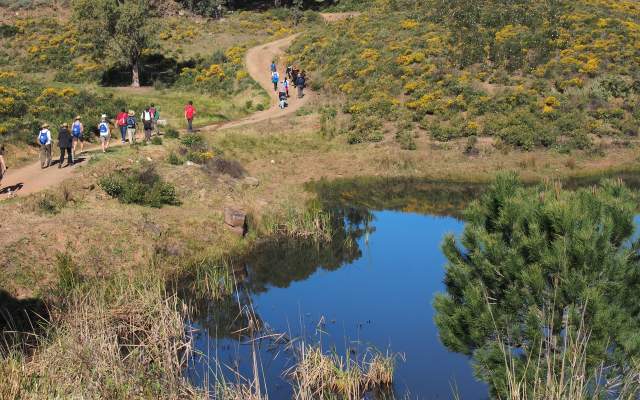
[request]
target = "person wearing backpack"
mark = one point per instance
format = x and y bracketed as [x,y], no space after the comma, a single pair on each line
[121,119]
[156,117]
[273,67]
[286,85]
[153,111]
[275,77]
[44,140]
[65,142]
[131,126]
[147,121]
[105,133]
[300,82]
[77,131]
[189,113]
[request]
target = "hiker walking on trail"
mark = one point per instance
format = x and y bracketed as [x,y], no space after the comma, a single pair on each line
[131,126]
[273,67]
[155,115]
[275,78]
[294,76]
[189,113]
[286,85]
[300,82]
[105,133]
[282,96]
[65,142]
[44,140]
[147,123]
[121,119]
[3,165]
[77,131]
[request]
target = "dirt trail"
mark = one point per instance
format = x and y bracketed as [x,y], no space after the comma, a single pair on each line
[258,60]
[32,178]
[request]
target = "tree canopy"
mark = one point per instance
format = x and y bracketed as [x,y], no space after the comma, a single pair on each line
[536,265]
[115,30]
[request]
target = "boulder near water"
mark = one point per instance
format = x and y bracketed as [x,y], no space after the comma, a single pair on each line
[236,220]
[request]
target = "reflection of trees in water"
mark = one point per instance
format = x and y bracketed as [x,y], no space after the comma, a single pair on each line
[275,263]
[281,261]
[402,194]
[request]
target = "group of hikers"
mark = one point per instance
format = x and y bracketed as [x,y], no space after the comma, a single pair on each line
[72,137]
[293,76]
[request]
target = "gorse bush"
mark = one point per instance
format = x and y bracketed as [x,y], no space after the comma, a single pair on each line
[140,186]
[528,72]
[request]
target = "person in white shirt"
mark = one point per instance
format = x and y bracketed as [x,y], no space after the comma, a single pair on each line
[105,133]
[44,140]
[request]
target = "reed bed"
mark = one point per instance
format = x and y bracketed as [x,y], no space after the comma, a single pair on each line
[116,341]
[318,375]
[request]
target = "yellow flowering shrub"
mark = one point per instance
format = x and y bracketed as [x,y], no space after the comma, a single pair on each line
[409,24]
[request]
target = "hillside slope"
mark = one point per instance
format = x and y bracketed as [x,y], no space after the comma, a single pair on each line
[529,73]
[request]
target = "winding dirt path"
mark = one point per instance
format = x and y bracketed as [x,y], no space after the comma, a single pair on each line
[32,178]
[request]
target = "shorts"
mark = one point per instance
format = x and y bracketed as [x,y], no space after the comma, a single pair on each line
[104,138]
[79,137]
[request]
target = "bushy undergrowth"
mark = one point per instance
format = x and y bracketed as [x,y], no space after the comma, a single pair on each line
[141,186]
[530,73]
[25,105]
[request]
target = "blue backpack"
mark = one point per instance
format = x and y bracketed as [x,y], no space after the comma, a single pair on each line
[103,127]
[42,138]
[75,129]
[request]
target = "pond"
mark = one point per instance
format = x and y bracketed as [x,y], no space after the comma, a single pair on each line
[375,293]
[371,287]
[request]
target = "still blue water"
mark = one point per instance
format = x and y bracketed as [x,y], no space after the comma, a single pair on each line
[383,299]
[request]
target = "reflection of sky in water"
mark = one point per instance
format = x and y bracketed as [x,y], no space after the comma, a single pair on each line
[384,298]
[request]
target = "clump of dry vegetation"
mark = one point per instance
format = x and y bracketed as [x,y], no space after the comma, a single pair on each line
[318,375]
[120,340]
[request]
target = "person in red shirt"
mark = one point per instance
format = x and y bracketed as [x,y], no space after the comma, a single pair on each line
[189,113]
[121,120]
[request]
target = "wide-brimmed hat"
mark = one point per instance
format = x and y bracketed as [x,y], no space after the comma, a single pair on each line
[45,126]
[65,125]
[77,118]
[104,116]
[132,113]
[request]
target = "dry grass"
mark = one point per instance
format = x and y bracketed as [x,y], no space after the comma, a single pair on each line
[118,341]
[318,375]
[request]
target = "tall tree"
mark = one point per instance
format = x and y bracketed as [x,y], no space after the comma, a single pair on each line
[116,29]
[535,265]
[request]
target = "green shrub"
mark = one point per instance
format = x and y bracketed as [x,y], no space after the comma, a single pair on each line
[140,186]
[406,140]
[192,141]
[171,133]
[174,159]
[156,140]
[365,129]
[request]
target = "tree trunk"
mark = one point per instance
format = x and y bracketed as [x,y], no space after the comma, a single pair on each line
[135,69]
